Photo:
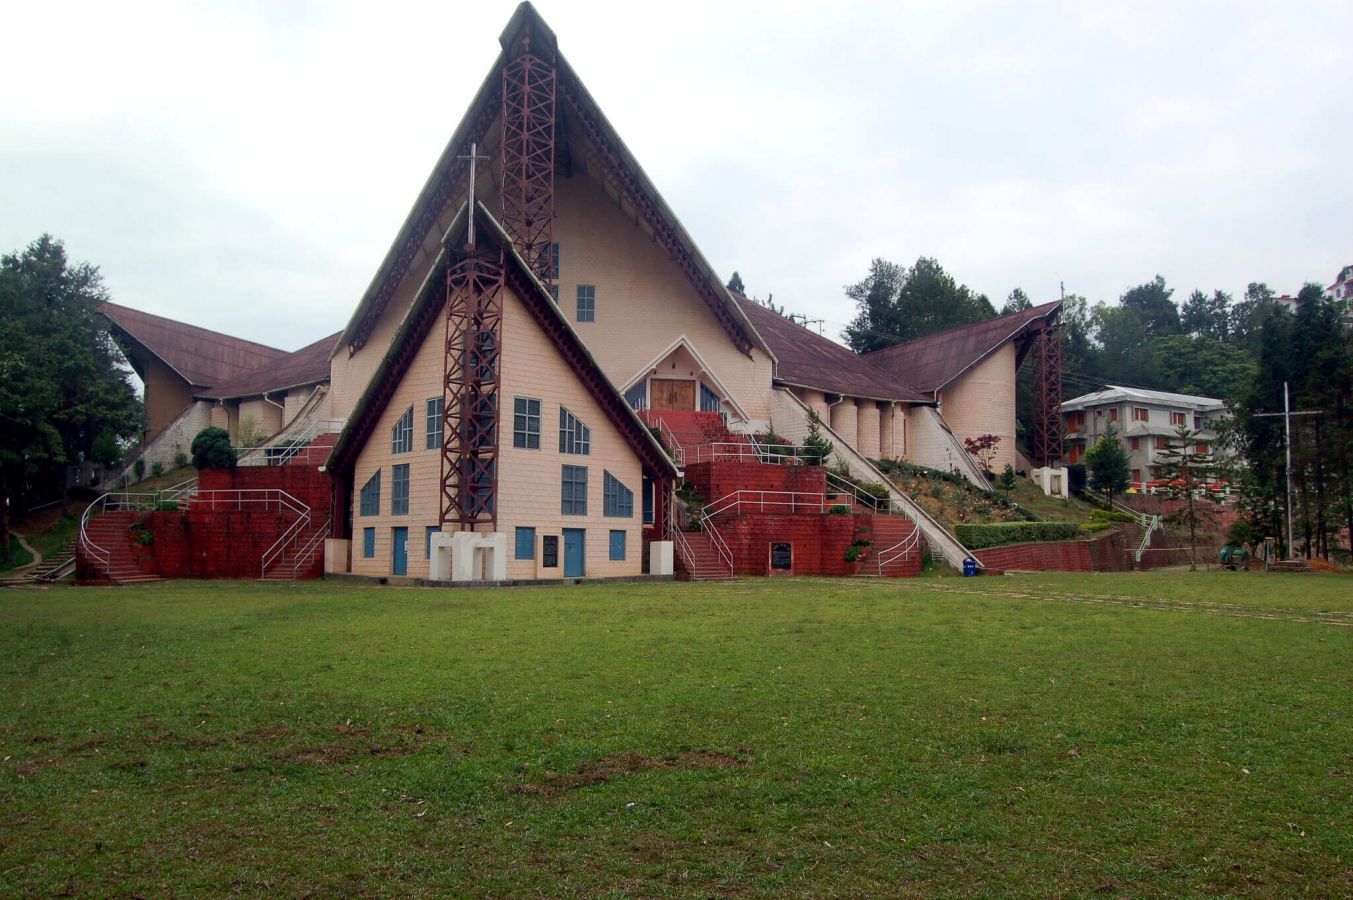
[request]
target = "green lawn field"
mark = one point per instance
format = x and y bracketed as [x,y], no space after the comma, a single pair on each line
[1139,734]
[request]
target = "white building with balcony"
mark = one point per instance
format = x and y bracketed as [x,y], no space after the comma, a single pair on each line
[1145,423]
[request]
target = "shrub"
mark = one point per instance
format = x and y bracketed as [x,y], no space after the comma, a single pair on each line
[976,537]
[211,449]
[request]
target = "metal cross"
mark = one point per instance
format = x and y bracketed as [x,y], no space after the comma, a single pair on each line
[473,158]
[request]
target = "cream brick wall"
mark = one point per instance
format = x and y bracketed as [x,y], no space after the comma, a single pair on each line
[643,301]
[529,481]
[983,401]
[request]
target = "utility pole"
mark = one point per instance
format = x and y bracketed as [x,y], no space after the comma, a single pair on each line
[1287,415]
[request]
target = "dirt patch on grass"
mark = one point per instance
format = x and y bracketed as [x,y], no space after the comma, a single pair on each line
[617,765]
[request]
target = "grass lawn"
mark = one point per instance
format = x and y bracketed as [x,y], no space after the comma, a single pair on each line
[1143,734]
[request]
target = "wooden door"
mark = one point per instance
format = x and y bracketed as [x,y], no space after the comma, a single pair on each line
[671,393]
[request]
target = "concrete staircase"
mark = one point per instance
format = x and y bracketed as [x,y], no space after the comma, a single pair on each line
[111,531]
[708,564]
[55,566]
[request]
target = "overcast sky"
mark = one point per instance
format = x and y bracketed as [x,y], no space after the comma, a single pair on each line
[244,166]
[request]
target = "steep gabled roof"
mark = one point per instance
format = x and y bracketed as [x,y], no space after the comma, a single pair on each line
[807,359]
[932,362]
[417,236]
[427,310]
[203,358]
[308,365]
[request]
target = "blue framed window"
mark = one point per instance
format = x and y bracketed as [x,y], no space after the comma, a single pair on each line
[434,424]
[399,490]
[401,436]
[427,540]
[617,545]
[526,543]
[368,543]
[617,501]
[526,423]
[648,500]
[371,496]
[573,492]
[587,303]
[574,436]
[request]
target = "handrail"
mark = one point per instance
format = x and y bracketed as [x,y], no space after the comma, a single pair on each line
[679,539]
[880,505]
[712,532]
[279,546]
[116,501]
[900,550]
[1150,526]
[308,550]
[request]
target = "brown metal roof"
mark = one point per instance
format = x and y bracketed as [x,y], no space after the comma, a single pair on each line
[931,362]
[308,365]
[202,357]
[807,359]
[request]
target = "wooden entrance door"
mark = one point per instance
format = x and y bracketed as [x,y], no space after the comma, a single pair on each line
[671,393]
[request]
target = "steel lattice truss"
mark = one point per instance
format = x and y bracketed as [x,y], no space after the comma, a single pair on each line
[527,187]
[1047,375]
[470,393]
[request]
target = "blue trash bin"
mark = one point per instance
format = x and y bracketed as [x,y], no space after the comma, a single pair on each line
[969,567]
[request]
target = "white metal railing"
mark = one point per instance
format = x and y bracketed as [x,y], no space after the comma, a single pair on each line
[741,501]
[880,505]
[115,502]
[306,552]
[678,536]
[901,550]
[1152,524]
[717,541]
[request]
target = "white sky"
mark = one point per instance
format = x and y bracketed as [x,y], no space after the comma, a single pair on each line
[244,166]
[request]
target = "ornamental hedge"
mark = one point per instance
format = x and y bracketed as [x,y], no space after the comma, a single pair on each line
[977,537]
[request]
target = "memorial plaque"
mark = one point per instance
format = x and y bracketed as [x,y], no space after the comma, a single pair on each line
[550,552]
[782,556]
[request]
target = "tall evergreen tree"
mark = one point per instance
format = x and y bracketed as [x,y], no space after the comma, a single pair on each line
[63,387]
[898,305]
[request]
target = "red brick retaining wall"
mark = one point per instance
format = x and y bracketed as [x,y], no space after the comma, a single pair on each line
[1102,554]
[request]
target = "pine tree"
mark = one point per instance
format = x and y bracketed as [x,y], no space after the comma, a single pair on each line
[1108,466]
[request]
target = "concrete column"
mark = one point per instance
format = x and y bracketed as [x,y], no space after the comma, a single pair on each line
[816,401]
[887,446]
[845,419]
[867,429]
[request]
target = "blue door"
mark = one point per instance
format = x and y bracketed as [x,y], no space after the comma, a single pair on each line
[575,550]
[399,564]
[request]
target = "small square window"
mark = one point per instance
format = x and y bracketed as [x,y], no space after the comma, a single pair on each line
[573,491]
[368,543]
[526,423]
[526,543]
[617,545]
[587,303]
